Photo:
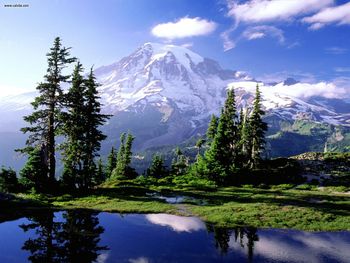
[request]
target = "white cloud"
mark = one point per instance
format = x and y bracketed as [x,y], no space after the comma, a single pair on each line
[337,14]
[257,32]
[336,50]
[177,223]
[255,35]
[343,83]
[306,90]
[184,27]
[342,69]
[262,11]
[187,45]
[267,10]
[252,33]
[227,41]
[330,90]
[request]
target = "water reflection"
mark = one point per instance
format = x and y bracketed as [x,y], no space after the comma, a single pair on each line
[74,238]
[139,260]
[177,223]
[81,236]
[244,236]
[298,246]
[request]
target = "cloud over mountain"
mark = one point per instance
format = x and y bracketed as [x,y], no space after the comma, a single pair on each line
[184,27]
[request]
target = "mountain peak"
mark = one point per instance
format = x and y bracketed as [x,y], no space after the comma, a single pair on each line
[183,55]
[290,81]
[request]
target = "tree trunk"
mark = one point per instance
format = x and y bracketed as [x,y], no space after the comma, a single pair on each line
[51,147]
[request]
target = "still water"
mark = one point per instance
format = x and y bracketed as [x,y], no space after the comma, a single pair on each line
[85,236]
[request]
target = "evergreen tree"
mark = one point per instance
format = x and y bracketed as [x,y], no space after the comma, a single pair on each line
[43,122]
[157,168]
[217,157]
[179,163]
[257,128]
[111,162]
[123,168]
[34,175]
[212,128]
[244,143]
[94,119]
[231,133]
[120,169]
[99,176]
[74,129]
[8,180]
[81,128]
[222,156]
[199,144]
[240,120]
[127,150]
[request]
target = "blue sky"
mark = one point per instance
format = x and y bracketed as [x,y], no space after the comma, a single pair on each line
[271,40]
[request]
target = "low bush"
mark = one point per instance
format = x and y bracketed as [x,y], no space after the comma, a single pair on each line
[8,180]
[194,182]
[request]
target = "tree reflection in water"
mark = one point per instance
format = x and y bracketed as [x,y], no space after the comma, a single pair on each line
[245,236]
[75,239]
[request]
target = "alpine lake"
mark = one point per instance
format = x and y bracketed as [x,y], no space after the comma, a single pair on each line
[87,236]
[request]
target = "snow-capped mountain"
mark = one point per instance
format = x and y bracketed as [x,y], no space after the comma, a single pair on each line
[164,94]
[174,78]
[165,76]
[182,89]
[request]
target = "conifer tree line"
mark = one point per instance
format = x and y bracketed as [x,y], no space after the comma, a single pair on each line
[74,115]
[234,141]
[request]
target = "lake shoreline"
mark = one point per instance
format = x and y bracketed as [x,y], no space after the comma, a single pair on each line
[280,206]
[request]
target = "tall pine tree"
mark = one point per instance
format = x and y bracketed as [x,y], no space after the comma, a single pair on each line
[43,122]
[94,120]
[223,151]
[74,147]
[229,118]
[81,128]
[244,143]
[257,129]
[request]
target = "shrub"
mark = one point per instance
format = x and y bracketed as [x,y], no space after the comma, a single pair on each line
[194,182]
[8,180]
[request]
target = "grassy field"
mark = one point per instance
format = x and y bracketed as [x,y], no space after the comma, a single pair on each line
[281,206]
